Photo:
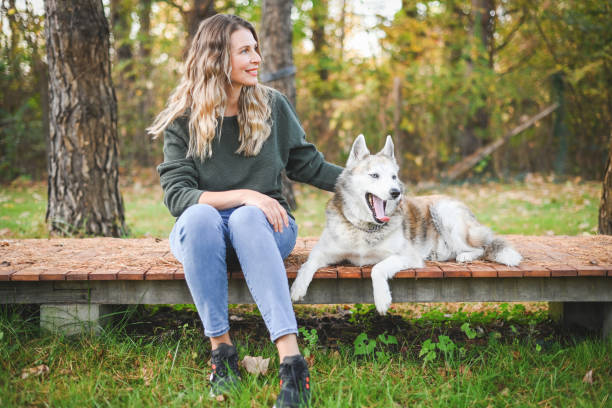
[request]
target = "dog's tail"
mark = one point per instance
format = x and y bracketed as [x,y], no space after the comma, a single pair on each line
[499,250]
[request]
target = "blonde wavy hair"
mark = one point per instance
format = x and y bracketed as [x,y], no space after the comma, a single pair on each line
[203,89]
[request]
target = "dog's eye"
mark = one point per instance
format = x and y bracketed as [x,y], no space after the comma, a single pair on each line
[394,177]
[374,175]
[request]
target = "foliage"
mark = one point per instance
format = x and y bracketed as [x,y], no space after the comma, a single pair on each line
[466,76]
[363,346]
[311,338]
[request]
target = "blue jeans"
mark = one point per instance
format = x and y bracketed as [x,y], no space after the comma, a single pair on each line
[205,240]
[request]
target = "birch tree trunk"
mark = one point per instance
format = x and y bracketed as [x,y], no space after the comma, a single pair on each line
[83,186]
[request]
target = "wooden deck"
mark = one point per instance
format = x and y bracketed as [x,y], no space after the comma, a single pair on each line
[76,280]
[110,259]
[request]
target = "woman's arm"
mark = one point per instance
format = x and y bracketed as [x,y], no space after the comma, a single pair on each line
[275,213]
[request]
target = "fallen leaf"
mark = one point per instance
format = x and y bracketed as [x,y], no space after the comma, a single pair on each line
[220,398]
[309,360]
[588,377]
[255,365]
[236,318]
[505,392]
[34,371]
[463,370]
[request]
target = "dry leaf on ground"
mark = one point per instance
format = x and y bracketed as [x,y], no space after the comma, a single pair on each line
[255,365]
[34,371]
[588,377]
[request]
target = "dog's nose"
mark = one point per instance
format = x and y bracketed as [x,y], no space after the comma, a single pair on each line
[394,193]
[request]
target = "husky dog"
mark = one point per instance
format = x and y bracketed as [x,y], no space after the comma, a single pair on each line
[369,221]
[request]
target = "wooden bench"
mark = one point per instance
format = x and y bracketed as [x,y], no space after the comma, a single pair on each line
[74,279]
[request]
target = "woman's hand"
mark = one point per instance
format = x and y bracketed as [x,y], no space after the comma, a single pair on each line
[275,213]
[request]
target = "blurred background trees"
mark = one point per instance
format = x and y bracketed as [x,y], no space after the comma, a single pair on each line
[445,78]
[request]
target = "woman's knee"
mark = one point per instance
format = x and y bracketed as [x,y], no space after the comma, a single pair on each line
[200,218]
[247,216]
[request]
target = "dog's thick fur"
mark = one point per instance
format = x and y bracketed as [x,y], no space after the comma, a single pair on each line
[370,221]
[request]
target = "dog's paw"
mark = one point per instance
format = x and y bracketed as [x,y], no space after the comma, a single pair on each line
[382,298]
[465,257]
[298,291]
[509,256]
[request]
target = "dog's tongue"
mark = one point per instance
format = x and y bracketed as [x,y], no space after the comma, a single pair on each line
[379,209]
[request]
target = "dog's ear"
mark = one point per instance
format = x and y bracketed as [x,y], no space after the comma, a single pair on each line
[388,149]
[358,151]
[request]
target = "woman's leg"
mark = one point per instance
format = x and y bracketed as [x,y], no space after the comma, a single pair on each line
[260,251]
[197,241]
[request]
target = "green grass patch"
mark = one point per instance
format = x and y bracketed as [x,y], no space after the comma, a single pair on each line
[167,365]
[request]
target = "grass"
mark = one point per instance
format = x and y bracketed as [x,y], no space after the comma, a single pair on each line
[516,356]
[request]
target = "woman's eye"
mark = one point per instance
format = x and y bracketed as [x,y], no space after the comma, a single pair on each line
[374,175]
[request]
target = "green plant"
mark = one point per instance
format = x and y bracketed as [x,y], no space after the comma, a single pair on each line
[311,338]
[469,332]
[359,311]
[444,344]
[363,346]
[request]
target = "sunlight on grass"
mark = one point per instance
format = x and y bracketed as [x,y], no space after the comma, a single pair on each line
[534,207]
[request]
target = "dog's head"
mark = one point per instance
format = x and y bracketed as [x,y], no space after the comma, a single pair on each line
[373,181]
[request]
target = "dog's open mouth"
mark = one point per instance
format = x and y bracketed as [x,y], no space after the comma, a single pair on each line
[377,207]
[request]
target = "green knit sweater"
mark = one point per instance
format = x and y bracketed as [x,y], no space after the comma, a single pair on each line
[183,178]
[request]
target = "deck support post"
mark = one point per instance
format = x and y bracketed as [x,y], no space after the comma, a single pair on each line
[72,319]
[595,316]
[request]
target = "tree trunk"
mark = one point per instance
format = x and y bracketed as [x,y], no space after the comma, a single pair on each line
[83,164]
[605,208]
[276,45]
[200,10]
[144,104]
[482,31]
[278,71]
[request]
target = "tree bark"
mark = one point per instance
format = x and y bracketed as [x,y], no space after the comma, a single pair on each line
[278,71]
[605,208]
[83,185]
[276,35]
[200,11]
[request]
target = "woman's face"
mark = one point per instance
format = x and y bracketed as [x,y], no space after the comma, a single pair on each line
[244,58]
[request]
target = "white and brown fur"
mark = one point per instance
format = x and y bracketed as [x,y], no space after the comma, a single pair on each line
[412,230]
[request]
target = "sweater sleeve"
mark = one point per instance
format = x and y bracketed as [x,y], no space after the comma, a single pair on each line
[178,175]
[305,163]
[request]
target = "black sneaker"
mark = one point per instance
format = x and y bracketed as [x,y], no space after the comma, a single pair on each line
[225,374]
[295,383]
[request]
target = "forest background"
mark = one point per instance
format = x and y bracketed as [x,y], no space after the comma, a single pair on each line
[445,78]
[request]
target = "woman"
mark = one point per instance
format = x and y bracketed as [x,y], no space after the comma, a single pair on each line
[226,141]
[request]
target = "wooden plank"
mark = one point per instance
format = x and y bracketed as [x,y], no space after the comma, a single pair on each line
[329,272]
[349,272]
[455,271]
[6,270]
[405,274]
[429,271]
[366,272]
[104,273]
[531,270]
[591,270]
[161,273]
[504,271]
[292,271]
[30,273]
[480,270]
[561,270]
[131,273]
